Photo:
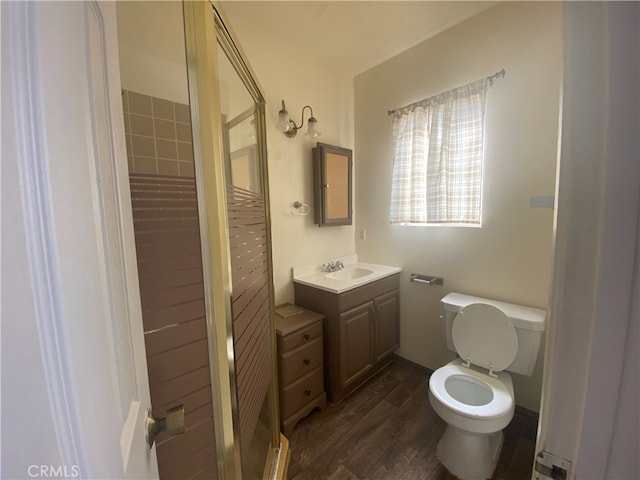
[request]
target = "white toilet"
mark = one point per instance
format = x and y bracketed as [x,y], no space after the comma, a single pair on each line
[474,393]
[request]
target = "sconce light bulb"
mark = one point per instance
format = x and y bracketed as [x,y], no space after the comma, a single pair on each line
[283,121]
[312,128]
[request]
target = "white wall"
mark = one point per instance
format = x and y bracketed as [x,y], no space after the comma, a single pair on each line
[510,257]
[286,73]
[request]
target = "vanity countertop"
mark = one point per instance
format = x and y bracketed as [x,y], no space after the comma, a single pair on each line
[354,274]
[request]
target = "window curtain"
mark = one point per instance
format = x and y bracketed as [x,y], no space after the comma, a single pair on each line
[438,147]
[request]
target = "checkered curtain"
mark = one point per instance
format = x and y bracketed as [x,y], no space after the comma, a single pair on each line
[438,147]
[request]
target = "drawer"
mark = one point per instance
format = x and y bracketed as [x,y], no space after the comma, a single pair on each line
[353,298]
[298,394]
[300,361]
[302,336]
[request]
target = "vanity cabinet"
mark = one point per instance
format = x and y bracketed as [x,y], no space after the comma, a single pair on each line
[361,331]
[300,365]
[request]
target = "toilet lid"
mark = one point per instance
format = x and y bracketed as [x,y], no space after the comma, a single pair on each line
[485,335]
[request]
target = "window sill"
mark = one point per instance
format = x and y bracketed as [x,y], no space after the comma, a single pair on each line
[464,225]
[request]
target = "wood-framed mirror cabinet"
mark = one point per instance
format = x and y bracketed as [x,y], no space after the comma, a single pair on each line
[332,185]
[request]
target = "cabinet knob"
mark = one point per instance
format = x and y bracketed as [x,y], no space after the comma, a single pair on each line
[307,393]
[306,336]
[306,361]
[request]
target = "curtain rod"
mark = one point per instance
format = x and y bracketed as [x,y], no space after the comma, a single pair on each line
[491,78]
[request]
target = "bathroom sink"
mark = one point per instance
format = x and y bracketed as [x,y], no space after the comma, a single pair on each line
[350,273]
[354,274]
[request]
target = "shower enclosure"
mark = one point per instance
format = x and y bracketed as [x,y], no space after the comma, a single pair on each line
[195,130]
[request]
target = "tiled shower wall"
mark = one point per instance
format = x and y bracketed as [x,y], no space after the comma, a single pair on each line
[158,134]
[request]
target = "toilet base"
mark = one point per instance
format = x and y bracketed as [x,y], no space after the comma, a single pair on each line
[469,455]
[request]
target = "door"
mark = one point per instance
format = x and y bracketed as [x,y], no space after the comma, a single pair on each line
[356,343]
[242,112]
[589,412]
[78,394]
[387,337]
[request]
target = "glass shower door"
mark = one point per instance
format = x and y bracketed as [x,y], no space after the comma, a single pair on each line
[251,299]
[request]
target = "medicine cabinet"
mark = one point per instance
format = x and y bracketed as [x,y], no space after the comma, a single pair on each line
[332,180]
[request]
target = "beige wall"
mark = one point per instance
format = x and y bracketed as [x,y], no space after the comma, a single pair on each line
[510,257]
[152,62]
[151,49]
[287,73]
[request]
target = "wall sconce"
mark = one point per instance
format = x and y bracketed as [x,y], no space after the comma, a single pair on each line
[289,127]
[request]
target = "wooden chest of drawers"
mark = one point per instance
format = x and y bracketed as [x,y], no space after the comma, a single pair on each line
[300,364]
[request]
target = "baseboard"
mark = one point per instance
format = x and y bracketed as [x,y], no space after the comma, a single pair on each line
[405,361]
[525,412]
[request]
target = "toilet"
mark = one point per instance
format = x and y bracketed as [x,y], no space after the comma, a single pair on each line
[474,394]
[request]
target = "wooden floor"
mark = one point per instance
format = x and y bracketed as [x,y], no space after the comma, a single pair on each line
[388,430]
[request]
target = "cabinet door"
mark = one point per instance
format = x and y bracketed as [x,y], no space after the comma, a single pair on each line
[387,331]
[332,196]
[356,343]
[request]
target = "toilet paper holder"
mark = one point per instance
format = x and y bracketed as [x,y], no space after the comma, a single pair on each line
[427,279]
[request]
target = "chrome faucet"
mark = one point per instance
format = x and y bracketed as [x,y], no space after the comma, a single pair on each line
[333,266]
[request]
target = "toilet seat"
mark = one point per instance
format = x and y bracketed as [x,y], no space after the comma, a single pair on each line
[483,335]
[501,404]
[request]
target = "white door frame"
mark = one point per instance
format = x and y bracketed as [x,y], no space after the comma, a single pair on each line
[76,390]
[593,320]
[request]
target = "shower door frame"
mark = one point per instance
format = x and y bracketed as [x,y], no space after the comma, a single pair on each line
[205,25]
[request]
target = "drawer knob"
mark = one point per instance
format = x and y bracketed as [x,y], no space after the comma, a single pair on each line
[306,336]
[306,361]
[307,393]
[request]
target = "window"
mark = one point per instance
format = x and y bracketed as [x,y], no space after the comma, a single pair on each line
[438,149]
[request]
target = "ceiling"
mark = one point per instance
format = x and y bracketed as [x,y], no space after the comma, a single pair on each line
[353,35]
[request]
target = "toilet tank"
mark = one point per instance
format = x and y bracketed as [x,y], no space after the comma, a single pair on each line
[528,322]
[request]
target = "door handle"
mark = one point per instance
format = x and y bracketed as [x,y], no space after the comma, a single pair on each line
[173,424]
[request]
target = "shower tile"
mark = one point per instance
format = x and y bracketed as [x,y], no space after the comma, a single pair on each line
[141,125]
[183,113]
[162,108]
[143,146]
[139,103]
[186,169]
[158,135]
[165,129]
[183,132]
[166,149]
[145,165]
[185,151]
[168,167]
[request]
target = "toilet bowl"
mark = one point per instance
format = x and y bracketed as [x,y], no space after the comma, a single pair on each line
[476,407]
[474,394]
[471,400]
